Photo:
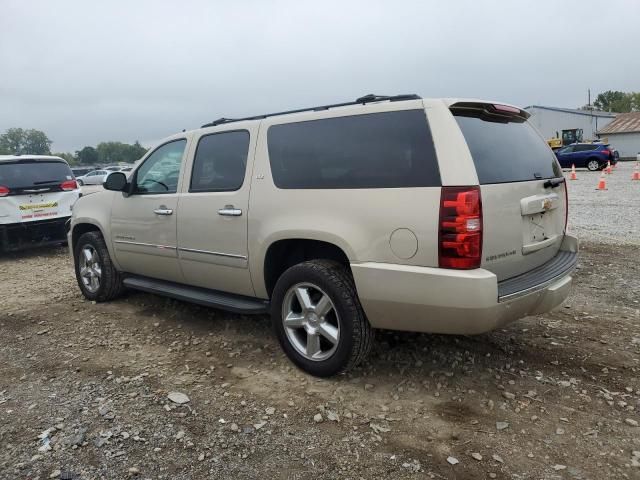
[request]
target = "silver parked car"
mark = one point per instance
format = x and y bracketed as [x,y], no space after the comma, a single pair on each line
[96,177]
[427,215]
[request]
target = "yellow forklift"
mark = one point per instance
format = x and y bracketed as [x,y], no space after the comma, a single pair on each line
[572,135]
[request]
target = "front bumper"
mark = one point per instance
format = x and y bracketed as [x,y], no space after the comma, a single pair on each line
[434,300]
[24,235]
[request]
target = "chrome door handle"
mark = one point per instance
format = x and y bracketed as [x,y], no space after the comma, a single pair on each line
[230,211]
[162,210]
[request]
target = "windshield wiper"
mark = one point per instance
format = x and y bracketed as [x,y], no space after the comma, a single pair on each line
[554,182]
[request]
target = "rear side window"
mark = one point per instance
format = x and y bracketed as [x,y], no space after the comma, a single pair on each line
[506,150]
[585,148]
[220,162]
[25,174]
[378,150]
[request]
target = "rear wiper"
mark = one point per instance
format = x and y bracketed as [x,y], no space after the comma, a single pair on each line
[554,182]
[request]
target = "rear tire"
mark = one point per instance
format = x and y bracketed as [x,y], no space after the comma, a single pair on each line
[80,183]
[593,165]
[318,318]
[97,277]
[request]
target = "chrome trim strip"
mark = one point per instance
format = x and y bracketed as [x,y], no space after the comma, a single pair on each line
[37,190]
[207,252]
[168,247]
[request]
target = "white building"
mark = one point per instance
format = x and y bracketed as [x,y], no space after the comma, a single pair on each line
[623,134]
[552,120]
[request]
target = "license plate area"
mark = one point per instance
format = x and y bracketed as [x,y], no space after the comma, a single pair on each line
[539,222]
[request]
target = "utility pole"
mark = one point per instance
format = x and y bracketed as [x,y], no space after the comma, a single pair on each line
[593,131]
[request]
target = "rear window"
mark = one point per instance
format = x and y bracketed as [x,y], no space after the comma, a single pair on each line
[25,174]
[379,150]
[506,149]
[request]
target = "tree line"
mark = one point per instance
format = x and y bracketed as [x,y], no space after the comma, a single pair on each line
[616,102]
[35,142]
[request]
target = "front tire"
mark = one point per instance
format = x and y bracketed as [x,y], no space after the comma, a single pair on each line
[80,183]
[318,318]
[593,165]
[97,277]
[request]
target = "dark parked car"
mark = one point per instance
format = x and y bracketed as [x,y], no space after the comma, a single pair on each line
[80,171]
[593,156]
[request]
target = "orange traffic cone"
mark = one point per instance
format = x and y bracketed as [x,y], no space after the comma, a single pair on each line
[602,184]
[636,173]
[608,168]
[573,175]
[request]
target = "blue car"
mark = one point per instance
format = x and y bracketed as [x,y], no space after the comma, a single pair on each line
[593,156]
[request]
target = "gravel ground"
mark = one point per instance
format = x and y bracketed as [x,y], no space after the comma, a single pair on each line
[98,390]
[609,216]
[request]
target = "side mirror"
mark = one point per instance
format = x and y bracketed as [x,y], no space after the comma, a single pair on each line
[116,181]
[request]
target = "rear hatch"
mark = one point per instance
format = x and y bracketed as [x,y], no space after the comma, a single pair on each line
[523,193]
[36,189]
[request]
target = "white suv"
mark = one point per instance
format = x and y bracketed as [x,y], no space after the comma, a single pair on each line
[37,193]
[428,215]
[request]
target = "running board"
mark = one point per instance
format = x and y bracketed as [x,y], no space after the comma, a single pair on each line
[201,296]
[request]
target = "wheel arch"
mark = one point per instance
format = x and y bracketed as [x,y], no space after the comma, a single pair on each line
[80,229]
[287,252]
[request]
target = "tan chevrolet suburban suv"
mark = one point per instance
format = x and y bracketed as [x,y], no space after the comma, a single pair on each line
[427,215]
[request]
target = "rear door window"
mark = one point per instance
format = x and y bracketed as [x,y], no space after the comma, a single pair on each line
[220,162]
[505,149]
[29,174]
[378,150]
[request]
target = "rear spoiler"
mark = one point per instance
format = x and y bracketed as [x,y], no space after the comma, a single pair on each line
[490,111]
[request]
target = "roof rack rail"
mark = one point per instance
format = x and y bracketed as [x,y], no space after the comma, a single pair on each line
[370,98]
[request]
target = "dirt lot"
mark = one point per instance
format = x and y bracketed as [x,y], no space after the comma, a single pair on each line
[84,388]
[555,396]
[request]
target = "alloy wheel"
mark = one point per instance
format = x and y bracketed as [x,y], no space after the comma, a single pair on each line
[90,268]
[311,322]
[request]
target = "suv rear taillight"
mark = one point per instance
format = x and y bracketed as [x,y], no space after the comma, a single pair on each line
[606,152]
[460,230]
[69,185]
[4,191]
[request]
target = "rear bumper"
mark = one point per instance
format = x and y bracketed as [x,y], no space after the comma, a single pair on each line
[20,236]
[434,300]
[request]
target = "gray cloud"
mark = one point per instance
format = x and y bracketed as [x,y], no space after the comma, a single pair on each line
[86,72]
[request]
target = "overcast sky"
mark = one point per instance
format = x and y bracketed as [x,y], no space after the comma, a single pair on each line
[86,71]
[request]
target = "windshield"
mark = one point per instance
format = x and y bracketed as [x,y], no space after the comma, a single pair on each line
[25,174]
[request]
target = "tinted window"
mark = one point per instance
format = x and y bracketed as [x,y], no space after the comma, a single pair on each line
[506,150]
[24,174]
[566,150]
[379,150]
[220,162]
[160,171]
[585,148]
